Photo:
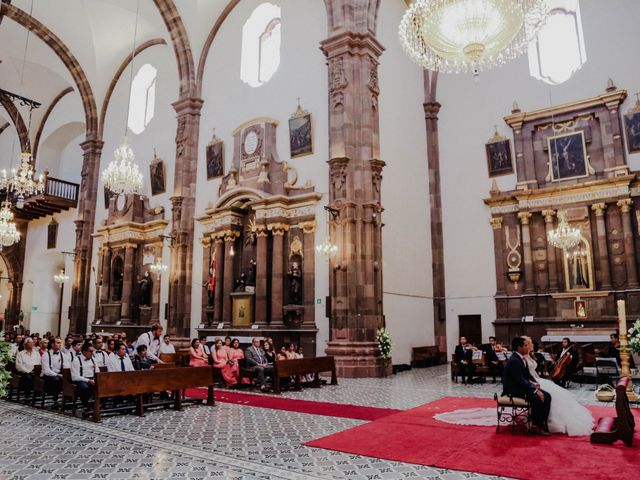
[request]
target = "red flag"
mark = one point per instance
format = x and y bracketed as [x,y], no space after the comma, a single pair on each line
[212,280]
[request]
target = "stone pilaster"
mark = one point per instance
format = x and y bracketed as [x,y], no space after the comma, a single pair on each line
[128,280]
[105,274]
[309,273]
[526,249]
[501,274]
[277,271]
[629,251]
[157,283]
[227,287]
[261,274]
[552,261]
[218,294]
[603,250]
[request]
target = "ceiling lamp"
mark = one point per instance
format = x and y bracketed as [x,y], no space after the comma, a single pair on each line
[327,248]
[564,236]
[8,232]
[22,183]
[158,268]
[122,175]
[60,278]
[458,36]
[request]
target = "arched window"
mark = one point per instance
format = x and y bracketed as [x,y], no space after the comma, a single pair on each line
[142,99]
[260,45]
[558,52]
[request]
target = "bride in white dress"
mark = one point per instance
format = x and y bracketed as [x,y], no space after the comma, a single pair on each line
[566,415]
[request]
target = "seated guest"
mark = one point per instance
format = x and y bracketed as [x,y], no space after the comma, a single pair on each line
[203,345]
[567,349]
[83,373]
[52,362]
[25,361]
[464,360]
[282,354]
[227,345]
[197,357]
[142,361]
[236,354]
[68,344]
[222,361]
[131,350]
[43,346]
[613,349]
[76,351]
[101,357]
[167,346]
[152,341]
[111,345]
[269,354]
[491,358]
[291,352]
[538,353]
[257,363]
[120,360]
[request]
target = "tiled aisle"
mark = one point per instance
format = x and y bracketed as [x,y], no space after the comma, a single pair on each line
[226,441]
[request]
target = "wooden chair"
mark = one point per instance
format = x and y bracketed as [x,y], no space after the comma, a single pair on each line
[455,371]
[38,387]
[512,411]
[611,429]
[15,382]
[68,391]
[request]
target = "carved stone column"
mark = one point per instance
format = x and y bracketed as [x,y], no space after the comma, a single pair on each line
[262,256]
[87,203]
[105,274]
[552,262]
[218,294]
[308,272]
[501,274]
[155,292]
[206,265]
[627,233]
[128,280]
[526,249]
[227,287]
[277,271]
[603,250]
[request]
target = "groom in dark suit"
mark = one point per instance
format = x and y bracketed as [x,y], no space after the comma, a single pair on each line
[518,382]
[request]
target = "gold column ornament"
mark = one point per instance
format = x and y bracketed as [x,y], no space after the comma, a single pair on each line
[624,350]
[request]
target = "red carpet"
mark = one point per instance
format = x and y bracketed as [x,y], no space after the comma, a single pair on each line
[413,436]
[302,406]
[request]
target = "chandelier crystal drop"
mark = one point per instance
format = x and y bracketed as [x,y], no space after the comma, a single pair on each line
[21,182]
[9,235]
[327,248]
[564,236]
[122,175]
[158,268]
[458,36]
[61,277]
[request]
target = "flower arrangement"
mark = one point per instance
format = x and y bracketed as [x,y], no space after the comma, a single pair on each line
[384,344]
[5,356]
[634,337]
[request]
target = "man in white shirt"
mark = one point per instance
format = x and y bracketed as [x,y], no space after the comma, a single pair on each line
[68,344]
[76,351]
[120,361]
[83,373]
[52,362]
[25,361]
[167,346]
[152,341]
[205,348]
[99,355]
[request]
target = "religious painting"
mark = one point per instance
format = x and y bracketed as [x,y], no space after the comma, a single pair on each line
[578,268]
[52,234]
[580,308]
[499,160]
[300,134]
[632,128]
[157,177]
[242,310]
[568,156]
[215,158]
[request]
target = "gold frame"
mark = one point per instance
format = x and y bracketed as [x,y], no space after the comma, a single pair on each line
[587,165]
[497,138]
[298,114]
[565,263]
[214,142]
[576,308]
[242,302]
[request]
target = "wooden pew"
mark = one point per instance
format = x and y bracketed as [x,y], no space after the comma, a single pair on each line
[610,429]
[68,390]
[138,383]
[426,356]
[303,366]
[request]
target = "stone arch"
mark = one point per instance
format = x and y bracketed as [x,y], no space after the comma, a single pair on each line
[114,81]
[18,122]
[239,195]
[54,102]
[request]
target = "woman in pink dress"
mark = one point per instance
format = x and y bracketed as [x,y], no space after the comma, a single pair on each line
[221,360]
[236,355]
[197,357]
[291,352]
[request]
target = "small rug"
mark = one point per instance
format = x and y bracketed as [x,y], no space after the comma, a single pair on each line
[414,436]
[341,410]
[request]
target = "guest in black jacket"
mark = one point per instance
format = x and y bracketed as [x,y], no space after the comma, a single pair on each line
[491,359]
[464,360]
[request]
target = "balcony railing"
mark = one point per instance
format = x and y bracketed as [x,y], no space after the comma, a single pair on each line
[58,195]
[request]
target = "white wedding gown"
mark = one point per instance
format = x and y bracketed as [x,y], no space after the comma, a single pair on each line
[566,415]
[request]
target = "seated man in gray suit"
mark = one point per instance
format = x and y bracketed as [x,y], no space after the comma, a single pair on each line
[256,361]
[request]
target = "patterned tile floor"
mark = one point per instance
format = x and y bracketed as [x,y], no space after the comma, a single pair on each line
[226,441]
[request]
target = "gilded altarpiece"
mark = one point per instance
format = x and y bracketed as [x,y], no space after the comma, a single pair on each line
[535,280]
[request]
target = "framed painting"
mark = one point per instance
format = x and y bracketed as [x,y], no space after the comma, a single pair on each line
[499,161]
[632,129]
[300,133]
[157,177]
[52,234]
[568,156]
[580,308]
[215,159]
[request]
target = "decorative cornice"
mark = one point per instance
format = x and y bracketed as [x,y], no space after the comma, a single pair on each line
[599,208]
[131,232]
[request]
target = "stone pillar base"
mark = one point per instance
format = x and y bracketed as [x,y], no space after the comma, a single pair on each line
[357,359]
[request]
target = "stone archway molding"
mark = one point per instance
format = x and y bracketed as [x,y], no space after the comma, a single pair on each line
[18,122]
[52,105]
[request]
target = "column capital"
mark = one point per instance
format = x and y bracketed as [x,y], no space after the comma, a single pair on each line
[496,223]
[205,241]
[278,228]
[130,245]
[230,235]
[524,217]
[260,231]
[625,205]
[548,215]
[599,208]
[308,227]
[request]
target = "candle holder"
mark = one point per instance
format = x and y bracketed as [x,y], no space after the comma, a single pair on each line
[625,353]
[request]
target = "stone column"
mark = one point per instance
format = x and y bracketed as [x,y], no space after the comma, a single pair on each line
[498,241]
[87,204]
[552,262]
[629,251]
[526,249]
[308,272]
[206,278]
[227,287]
[277,271]
[261,275]
[218,294]
[105,275]
[157,283]
[603,249]
[128,280]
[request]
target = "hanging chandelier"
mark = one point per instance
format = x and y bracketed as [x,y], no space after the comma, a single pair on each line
[122,175]
[158,268]
[564,236]
[8,232]
[327,248]
[458,36]
[61,277]
[21,182]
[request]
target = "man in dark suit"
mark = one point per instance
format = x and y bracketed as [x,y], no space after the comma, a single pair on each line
[464,360]
[518,382]
[568,348]
[491,359]
[257,362]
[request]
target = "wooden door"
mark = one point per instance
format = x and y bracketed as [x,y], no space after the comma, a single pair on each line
[470,326]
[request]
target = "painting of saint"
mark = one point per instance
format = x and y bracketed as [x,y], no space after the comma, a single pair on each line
[632,127]
[568,156]
[300,136]
[215,160]
[499,156]
[156,175]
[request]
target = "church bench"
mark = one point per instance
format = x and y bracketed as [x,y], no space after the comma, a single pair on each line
[482,369]
[426,356]
[304,366]
[141,382]
[68,390]
[15,383]
[611,429]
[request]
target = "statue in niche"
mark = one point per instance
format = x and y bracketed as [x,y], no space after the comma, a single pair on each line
[295,284]
[251,276]
[209,285]
[146,285]
[578,271]
[241,283]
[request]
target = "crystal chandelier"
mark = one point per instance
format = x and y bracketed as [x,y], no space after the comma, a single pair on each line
[122,174]
[8,232]
[22,182]
[457,36]
[327,248]
[61,277]
[158,268]
[564,236]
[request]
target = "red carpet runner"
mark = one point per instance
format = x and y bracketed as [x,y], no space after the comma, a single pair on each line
[413,436]
[302,406]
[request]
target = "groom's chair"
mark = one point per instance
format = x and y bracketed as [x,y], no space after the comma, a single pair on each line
[512,411]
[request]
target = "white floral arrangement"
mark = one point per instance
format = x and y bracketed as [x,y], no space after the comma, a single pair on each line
[634,337]
[385,345]
[5,356]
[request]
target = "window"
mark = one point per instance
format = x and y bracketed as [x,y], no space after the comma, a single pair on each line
[260,45]
[143,98]
[558,52]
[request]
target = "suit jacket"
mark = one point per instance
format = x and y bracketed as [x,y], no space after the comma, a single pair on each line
[575,358]
[489,353]
[252,358]
[516,379]
[461,354]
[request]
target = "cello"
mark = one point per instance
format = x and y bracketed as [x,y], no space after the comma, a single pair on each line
[560,368]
